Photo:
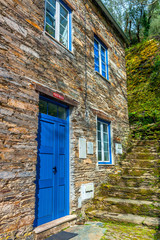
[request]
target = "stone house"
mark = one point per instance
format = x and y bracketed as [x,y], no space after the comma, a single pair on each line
[63,108]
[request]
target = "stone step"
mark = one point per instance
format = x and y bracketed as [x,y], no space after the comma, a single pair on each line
[143,149]
[137,171]
[140,163]
[128,206]
[53,227]
[145,143]
[129,218]
[140,155]
[134,181]
[151,194]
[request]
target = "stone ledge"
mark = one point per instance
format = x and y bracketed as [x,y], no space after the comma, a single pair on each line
[49,92]
[129,201]
[130,218]
[55,223]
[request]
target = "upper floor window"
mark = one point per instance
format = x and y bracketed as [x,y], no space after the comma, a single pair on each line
[104,142]
[58,18]
[101,58]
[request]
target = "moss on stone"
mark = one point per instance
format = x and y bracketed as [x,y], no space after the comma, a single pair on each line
[143,61]
[128,231]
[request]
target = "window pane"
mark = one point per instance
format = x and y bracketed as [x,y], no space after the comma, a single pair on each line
[96,52]
[99,126]
[103,74]
[64,40]
[53,2]
[99,156]
[103,58]
[96,55]
[105,146]
[99,146]
[50,20]
[96,68]
[50,10]
[62,113]
[63,21]
[63,26]
[106,156]
[105,128]
[63,31]
[105,137]
[103,67]
[52,109]
[42,106]
[95,44]
[99,135]
[102,51]
[63,11]
[96,60]
[50,30]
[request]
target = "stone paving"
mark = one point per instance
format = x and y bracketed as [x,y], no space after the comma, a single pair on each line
[107,231]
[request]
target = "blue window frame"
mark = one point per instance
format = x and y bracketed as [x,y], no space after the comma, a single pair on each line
[104,150]
[101,58]
[58,22]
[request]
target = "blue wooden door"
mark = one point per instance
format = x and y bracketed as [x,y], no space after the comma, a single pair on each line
[52,191]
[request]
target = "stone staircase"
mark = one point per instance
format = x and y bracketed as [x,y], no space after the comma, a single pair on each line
[133,194]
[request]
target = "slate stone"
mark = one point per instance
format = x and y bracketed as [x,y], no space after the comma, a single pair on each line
[62,236]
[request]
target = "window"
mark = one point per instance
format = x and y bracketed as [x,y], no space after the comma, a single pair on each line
[104,142]
[101,58]
[52,109]
[58,21]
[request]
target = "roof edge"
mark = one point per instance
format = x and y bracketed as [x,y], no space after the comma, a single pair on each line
[109,16]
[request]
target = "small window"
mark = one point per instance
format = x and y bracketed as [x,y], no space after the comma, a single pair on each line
[101,58]
[52,109]
[58,21]
[104,142]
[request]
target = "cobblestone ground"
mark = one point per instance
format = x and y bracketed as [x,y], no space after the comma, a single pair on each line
[113,231]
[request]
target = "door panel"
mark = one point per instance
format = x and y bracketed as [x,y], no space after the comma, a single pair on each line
[61,202]
[61,184]
[46,182]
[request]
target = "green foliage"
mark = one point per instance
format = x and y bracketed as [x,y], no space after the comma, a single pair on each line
[139,18]
[143,70]
[155,23]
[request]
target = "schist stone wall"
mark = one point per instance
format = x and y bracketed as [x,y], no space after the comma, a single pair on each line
[32,64]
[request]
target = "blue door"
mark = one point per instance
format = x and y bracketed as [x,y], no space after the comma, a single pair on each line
[52,182]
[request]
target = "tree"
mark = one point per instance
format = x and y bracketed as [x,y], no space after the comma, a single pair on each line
[134,16]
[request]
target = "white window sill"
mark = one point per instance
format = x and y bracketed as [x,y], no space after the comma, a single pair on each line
[102,77]
[105,164]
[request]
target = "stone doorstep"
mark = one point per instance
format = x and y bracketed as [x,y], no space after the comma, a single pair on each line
[44,230]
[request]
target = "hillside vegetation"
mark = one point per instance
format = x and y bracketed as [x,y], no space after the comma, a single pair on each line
[143,70]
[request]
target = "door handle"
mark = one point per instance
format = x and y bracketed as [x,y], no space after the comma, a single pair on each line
[54,170]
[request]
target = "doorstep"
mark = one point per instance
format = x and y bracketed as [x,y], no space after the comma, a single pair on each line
[45,230]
